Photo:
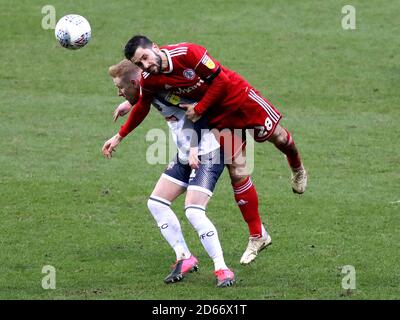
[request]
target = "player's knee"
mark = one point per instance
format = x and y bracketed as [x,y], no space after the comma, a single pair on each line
[155,206]
[279,137]
[160,212]
[151,204]
[197,198]
[237,173]
[194,214]
[238,179]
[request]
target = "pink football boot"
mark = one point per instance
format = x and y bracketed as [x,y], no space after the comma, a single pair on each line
[181,268]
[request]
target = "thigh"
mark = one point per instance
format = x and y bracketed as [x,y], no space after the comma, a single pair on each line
[261,116]
[206,176]
[232,141]
[194,197]
[177,172]
[173,182]
[167,190]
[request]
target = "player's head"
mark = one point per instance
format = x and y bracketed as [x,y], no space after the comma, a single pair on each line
[144,53]
[126,77]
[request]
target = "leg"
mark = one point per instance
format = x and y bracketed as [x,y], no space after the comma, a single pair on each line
[199,192]
[159,203]
[264,118]
[247,199]
[168,188]
[244,191]
[283,141]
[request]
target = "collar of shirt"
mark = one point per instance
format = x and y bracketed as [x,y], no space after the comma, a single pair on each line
[170,65]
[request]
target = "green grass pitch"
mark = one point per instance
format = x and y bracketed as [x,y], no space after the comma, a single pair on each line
[63,204]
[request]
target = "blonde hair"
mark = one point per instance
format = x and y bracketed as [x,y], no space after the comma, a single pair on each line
[123,69]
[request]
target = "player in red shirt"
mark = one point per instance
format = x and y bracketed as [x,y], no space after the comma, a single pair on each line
[188,70]
[225,98]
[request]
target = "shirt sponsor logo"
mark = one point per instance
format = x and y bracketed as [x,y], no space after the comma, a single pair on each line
[189,74]
[187,90]
[173,99]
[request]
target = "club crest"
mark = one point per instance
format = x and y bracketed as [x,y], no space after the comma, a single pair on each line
[189,74]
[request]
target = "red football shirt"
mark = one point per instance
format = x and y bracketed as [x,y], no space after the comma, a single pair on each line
[192,73]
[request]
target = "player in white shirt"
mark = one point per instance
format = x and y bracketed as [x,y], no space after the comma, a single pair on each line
[178,178]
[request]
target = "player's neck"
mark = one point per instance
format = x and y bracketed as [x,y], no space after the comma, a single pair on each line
[164,62]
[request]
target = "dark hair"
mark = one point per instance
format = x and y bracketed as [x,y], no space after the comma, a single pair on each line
[135,42]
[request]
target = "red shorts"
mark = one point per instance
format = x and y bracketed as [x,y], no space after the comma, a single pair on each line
[255,113]
[259,115]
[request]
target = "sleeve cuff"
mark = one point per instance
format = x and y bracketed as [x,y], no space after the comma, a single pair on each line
[198,109]
[122,132]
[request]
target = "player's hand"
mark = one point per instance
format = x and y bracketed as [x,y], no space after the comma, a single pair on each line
[110,145]
[122,110]
[194,158]
[190,112]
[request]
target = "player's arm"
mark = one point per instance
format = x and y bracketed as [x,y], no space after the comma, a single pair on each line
[137,115]
[211,72]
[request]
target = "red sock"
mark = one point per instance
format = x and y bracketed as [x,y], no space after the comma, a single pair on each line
[247,200]
[290,150]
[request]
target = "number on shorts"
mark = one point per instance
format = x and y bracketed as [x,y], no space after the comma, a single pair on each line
[268,124]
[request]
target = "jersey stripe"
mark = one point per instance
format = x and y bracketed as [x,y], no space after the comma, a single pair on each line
[265,105]
[243,188]
[204,55]
[145,74]
[178,49]
[178,54]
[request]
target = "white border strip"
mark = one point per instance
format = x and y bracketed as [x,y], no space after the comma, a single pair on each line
[195,206]
[265,105]
[171,66]
[176,181]
[201,189]
[165,201]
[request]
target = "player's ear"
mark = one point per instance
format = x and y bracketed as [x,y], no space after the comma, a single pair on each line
[135,83]
[155,46]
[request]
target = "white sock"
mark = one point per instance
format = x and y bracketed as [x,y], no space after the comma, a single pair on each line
[207,233]
[264,232]
[169,226]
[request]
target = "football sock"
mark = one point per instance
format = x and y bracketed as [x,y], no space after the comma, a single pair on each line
[264,232]
[208,234]
[290,150]
[169,226]
[247,200]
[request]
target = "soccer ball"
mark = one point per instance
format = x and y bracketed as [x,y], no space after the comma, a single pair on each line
[73,31]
